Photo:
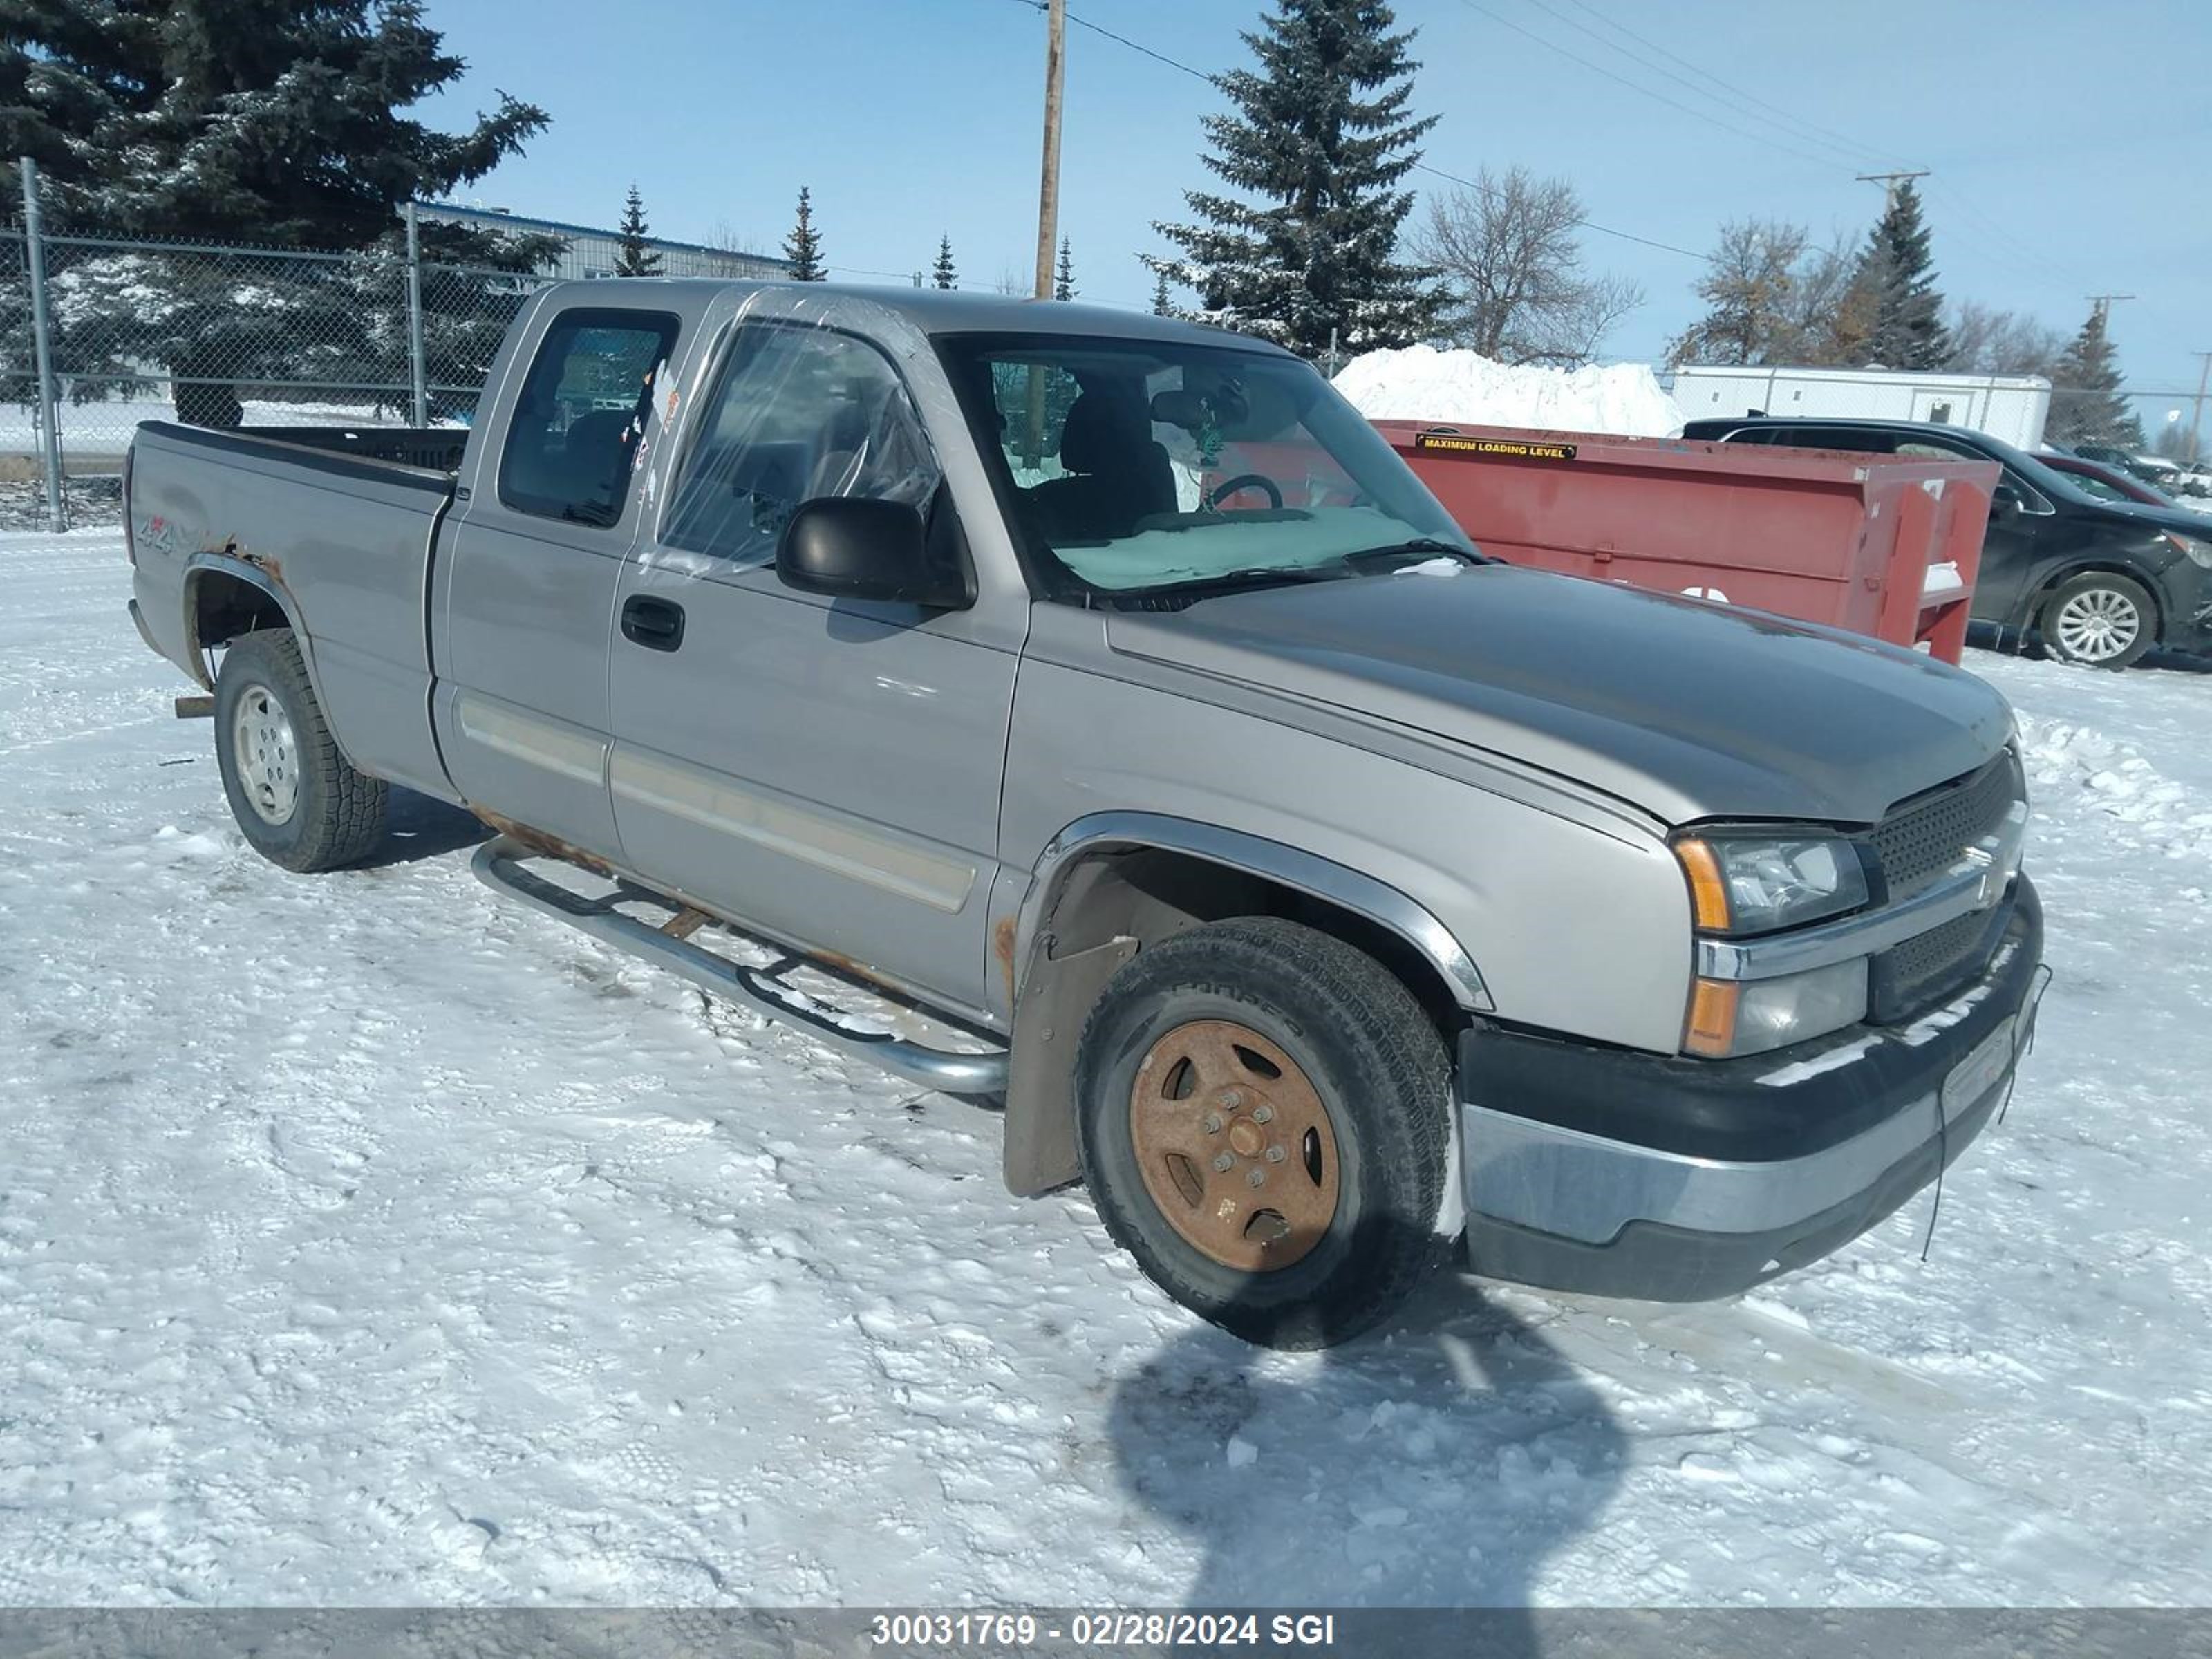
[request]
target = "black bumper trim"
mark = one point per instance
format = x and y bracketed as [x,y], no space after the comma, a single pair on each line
[1720,1108]
[1651,1261]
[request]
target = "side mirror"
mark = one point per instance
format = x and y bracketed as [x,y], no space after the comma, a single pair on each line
[845,547]
[2005,502]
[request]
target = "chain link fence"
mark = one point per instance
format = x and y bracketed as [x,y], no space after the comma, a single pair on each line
[218,335]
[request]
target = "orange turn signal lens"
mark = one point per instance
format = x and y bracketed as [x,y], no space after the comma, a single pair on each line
[1712,1030]
[1708,892]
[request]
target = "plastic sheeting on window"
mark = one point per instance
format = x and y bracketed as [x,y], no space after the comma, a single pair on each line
[795,408]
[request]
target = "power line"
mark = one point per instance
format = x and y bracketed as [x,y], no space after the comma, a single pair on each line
[1418,167]
[1811,130]
[1985,228]
[1767,138]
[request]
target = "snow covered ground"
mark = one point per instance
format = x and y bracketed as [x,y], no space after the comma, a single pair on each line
[1423,383]
[364,1240]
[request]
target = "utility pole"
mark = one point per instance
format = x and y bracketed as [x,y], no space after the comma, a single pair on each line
[1048,186]
[1889,183]
[2104,302]
[1055,49]
[2196,408]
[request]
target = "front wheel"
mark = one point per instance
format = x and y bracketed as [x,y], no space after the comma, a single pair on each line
[295,797]
[2100,620]
[1265,1127]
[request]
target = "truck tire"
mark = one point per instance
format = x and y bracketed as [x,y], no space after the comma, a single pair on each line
[2099,619]
[1263,1121]
[293,793]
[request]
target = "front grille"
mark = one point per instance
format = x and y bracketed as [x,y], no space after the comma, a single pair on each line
[1933,965]
[1923,838]
[1917,844]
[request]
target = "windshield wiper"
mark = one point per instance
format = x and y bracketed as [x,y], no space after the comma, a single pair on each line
[1414,547]
[1194,588]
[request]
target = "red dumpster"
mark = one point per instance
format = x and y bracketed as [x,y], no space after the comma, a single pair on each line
[1880,545]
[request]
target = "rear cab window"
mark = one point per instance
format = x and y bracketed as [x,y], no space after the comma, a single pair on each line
[572,441]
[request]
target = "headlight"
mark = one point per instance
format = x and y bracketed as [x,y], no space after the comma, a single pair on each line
[1730,1018]
[2198,551]
[1752,883]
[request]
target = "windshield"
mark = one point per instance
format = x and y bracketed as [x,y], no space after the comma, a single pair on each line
[1139,466]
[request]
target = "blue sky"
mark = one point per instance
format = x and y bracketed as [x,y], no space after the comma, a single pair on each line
[2069,143]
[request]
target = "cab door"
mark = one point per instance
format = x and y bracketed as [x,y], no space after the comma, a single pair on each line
[827,770]
[528,573]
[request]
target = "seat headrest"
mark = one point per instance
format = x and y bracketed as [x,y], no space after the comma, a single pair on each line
[1101,434]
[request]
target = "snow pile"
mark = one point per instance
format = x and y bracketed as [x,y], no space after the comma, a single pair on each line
[1422,383]
[2159,814]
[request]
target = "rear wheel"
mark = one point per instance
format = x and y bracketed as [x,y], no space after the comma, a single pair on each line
[2100,620]
[293,794]
[1265,1127]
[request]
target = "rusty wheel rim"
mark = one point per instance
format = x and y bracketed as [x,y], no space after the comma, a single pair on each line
[1234,1145]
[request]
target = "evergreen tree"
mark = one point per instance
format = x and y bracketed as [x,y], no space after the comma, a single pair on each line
[1321,136]
[802,249]
[635,257]
[184,119]
[181,120]
[942,273]
[2087,405]
[1162,307]
[1907,330]
[1063,285]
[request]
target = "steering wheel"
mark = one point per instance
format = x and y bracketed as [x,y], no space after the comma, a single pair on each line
[1222,491]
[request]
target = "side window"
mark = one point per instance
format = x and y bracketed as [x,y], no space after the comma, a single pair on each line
[1920,449]
[580,412]
[796,413]
[1857,439]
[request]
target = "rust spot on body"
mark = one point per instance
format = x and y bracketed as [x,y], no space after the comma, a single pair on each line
[1003,939]
[538,840]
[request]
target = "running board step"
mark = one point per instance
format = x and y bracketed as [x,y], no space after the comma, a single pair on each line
[498,863]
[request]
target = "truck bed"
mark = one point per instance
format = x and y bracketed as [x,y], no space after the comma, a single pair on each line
[335,524]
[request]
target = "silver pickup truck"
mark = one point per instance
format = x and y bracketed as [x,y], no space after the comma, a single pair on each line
[1102,700]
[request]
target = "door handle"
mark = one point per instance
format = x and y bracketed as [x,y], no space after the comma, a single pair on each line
[656,624]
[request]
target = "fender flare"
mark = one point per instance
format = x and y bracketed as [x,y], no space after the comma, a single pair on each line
[1054,989]
[259,576]
[1278,861]
[254,575]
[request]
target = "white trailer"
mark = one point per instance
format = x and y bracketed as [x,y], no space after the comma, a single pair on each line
[2010,407]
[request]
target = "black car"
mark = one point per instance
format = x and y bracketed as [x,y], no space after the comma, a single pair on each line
[2102,582]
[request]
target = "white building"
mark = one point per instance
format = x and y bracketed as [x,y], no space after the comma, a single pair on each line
[591,249]
[2010,407]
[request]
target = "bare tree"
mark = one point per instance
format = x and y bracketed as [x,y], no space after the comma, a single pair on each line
[730,240]
[1826,315]
[1748,289]
[1012,282]
[1986,340]
[1508,250]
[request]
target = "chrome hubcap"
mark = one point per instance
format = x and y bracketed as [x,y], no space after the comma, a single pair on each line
[2097,624]
[268,765]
